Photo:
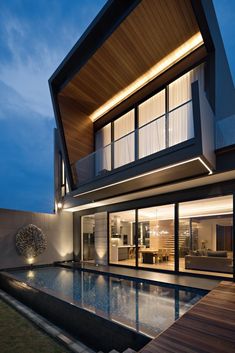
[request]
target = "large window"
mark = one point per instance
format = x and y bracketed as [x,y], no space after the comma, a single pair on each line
[103,150]
[163,120]
[124,145]
[122,238]
[204,242]
[152,127]
[156,237]
[206,236]
[180,106]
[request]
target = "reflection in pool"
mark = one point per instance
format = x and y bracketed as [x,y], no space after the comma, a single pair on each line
[144,307]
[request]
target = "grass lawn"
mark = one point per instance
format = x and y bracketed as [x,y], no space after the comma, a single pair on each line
[19,335]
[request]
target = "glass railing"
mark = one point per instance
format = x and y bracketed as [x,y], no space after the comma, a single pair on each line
[165,131]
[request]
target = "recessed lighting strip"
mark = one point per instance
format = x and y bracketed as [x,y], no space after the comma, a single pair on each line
[182,51]
[206,166]
[148,173]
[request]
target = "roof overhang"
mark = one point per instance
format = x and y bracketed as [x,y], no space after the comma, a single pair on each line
[130,49]
[153,37]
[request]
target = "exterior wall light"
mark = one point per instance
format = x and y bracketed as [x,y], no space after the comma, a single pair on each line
[30,260]
[59,205]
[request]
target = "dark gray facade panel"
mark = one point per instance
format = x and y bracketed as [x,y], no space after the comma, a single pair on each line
[76,236]
[224,86]
[213,190]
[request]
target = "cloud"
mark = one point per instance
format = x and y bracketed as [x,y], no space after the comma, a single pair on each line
[30,66]
[35,43]
[35,36]
[26,159]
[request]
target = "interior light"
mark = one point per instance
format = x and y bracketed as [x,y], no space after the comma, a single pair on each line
[182,51]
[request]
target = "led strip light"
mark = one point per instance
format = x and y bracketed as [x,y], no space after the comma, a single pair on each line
[184,50]
[149,173]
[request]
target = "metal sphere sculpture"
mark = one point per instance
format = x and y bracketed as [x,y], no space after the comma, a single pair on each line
[30,241]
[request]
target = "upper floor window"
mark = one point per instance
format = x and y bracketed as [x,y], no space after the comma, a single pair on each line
[124,147]
[103,149]
[163,120]
[152,134]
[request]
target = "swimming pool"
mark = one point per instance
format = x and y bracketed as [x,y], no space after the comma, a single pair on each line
[143,307]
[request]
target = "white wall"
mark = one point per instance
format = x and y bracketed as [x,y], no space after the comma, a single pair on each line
[57,227]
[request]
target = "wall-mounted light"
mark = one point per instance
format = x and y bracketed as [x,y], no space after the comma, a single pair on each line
[30,260]
[59,205]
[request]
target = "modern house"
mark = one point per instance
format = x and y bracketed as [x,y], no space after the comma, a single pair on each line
[145,141]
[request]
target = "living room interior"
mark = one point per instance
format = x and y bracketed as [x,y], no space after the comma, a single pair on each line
[205,237]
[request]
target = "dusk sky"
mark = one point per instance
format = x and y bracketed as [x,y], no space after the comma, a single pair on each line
[35,35]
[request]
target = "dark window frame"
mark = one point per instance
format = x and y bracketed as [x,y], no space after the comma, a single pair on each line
[176,237]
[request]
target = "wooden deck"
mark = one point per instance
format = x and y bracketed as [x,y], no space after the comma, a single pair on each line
[209,327]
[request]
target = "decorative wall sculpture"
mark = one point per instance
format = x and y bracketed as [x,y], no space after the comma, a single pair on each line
[30,241]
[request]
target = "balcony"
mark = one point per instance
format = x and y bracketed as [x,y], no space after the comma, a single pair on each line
[165,131]
[169,148]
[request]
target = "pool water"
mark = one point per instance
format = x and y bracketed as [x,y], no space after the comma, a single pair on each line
[146,308]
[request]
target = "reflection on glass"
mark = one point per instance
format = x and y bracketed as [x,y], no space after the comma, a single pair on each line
[122,239]
[156,237]
[206,236]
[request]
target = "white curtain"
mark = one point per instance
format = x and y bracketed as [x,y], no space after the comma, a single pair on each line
[180,89]
[181,124]
[124,148]
[103,149]
[152,135]
[181,119]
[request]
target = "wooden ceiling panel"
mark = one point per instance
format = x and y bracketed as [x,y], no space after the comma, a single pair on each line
[152,30]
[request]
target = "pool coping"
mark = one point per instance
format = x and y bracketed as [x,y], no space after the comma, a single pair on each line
[181,280]
[147,276]
[46,326]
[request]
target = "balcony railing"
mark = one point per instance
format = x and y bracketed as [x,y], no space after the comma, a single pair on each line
[165,131]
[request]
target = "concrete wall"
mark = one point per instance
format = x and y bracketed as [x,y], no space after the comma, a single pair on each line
[101,231]
[57,227]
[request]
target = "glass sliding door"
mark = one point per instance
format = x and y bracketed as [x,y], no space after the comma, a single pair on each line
[122,248]
[206,236]
[156,237]
[88,238]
